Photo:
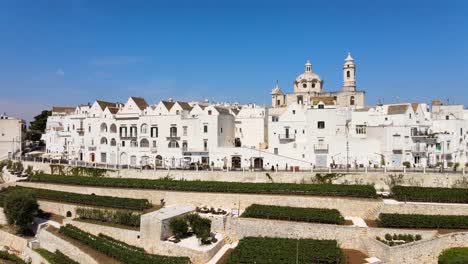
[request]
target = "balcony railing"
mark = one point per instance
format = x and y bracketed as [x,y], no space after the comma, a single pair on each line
[321,147]
[419,133]
[91,148]
[287,137]
[132,136]
[419,149]
[173,137]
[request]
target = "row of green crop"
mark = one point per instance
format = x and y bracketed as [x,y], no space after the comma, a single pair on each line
[86,199]
[363,191]
[316,215]
[457,255]
[423,221]
[126,218]
[118,249]
[55,258]
[430,194]
[286,251]
[4,255]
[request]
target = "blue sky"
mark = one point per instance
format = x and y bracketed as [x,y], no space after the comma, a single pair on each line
[71,52]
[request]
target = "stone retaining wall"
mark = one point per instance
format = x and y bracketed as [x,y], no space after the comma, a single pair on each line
[13,241]
[128,236]
[52,243]
[426,208]
[379,179]
[347,206]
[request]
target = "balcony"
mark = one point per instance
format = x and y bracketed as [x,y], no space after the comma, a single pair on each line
[419,133]
[287,137]
[419,149]
[154,150]
[321,147]
[131,136]
[173,137]
[91,148]
[194,151]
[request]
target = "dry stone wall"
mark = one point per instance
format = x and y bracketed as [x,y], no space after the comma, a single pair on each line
[128,236]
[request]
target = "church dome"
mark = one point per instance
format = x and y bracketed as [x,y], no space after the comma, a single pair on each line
[308,75]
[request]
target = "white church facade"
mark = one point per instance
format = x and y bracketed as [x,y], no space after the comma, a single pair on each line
[307,128]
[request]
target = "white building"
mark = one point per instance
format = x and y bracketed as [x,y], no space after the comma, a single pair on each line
[306,128]
[12,134]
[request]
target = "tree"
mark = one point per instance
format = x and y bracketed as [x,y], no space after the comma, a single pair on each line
[179,227]
[38,126]
[19,208]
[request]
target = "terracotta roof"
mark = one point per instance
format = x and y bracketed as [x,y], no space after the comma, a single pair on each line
[415,106]
[113,110]
[104,104]
[63,109]
[327,100]
[140,102]
[168,105]
[397,109]
[185,105]
[222,110]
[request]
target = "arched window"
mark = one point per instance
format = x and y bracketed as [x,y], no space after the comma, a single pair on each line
[103,141]
[144,129]
[133,144]
[113,128]
[144,143]
[348,74]
[351,100]
[173,144]
[173,131]
[113,142]
[300,99]
[103,128]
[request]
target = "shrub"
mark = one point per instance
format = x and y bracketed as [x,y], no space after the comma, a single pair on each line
[19,208]
[318,215]
[284,250]
[456,255]
[119,217]
[201,227]
[55,258]
[407,164]
[418,237]
[94,200]
[29,170]
[179,227]
[10,257]
[422,221]
[363,191]
[430,194]
[388,237]
[117,249]
[450,164]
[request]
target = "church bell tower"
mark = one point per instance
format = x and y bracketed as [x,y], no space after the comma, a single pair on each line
[349,74]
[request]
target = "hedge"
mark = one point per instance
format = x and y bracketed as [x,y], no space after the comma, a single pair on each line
[86,199]
[430,194]
[363,191]
[285,251]
[454,256]
[300,214]
[55,258]
[117,249]
[423,221]
[126,218]
[10,257]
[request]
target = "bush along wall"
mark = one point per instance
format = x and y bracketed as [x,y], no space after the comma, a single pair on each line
[362,191]
[55,258]
[423,221]
[430,194]
[118,217]
[85,199]
[317,215]
[117,249]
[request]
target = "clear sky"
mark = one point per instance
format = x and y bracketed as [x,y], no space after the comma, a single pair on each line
[68,52]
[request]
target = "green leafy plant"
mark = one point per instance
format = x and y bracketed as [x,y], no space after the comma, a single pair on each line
[300,214]
[179,227]
[422,221]
[407,164]
[118,250]
[283,250]
[119,217]
[362,191]
[19,208]
[10,257]
[55,258]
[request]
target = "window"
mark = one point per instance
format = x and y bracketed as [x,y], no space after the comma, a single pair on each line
[113,128]
[447,117]
[321,124]
[144,143]
[103,141]
[73,127]
[103,128]
[133,131]
[274,119]
[144,129]
[209,112]
[300,99]
[205,144]
[361,129]
[89,129]
[304,85]
[294,112]
[321,106]
[348,74]
[275,150]
[221,130]
[154,132]
[123,131]
[154,143]
[103,157]
[184,130]
[123,143]
[184,145]
[133,144]
[173,144]
[351,100]
[173,131]
[205,128]
[313,85]
[113,142]
[278,102]
[409,116]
